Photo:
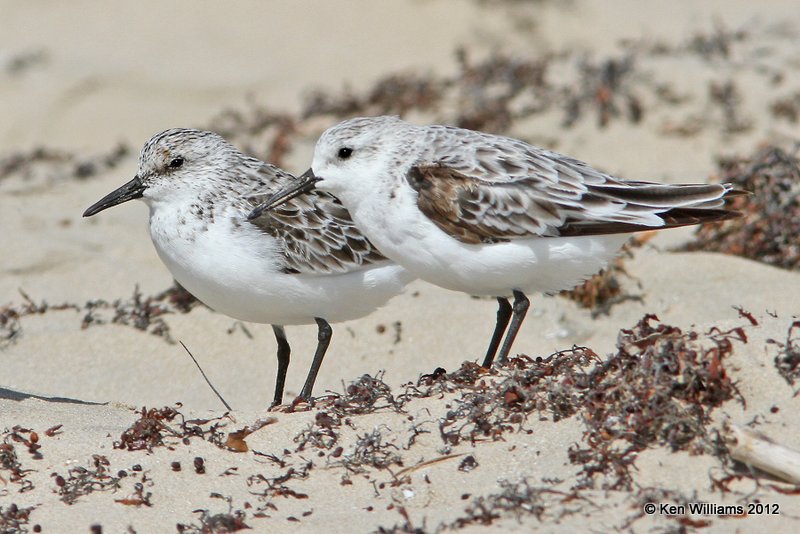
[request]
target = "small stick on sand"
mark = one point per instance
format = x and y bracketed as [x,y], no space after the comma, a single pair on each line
[206,378]
[757,450]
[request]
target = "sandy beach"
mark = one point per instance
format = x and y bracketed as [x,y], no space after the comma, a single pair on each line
[107,424]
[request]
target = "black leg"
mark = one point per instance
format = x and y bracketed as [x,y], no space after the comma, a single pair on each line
[283,363]
[324,335]
[503,316]
[521,304]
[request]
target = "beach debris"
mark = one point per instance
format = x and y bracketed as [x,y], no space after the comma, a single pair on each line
[520,499]
[276,488]
[659,387]
[138,498]
[11,469]
[787,361]
[755,449]
[771,223]
[199,465]
[787,108]
[143,313]
[372,449]
[321,434]
[468,464]
[82,481]
[203,373]
[14,519]
[236,440]
[138,311]
[53,431]
[159,427]
[149,430]
[44,166]
[607,87]
[224,522]
[10,327]
[365,395]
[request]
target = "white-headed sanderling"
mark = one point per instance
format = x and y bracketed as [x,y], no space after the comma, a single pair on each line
[303,263]
[490,215]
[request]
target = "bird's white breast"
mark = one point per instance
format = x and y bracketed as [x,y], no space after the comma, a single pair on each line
[236,269]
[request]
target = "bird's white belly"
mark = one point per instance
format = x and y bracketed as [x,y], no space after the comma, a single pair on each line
[544,265]
[235,272]
[538,264]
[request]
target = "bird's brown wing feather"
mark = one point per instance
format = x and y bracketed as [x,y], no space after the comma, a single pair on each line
[476,210]
[316,231]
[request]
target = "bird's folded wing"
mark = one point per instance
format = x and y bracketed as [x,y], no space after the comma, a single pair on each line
[565,198]
[317,233]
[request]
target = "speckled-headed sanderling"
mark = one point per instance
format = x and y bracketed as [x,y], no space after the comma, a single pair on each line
[303,263]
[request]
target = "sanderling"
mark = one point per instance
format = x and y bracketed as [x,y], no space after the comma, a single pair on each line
[301,264]
[490,215]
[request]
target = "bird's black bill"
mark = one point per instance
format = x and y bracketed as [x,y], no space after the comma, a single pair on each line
[303,185]
[129,191]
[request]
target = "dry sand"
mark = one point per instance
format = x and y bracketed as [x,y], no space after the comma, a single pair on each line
[80,78]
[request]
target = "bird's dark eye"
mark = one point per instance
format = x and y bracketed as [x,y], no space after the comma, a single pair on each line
[175,163]
[345,153]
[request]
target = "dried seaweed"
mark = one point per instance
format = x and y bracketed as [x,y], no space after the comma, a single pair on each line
[787,108]
[718,43]
[771,223]
[276,488]
[15,520]
[394,94]
[139,497]
[363,396]
[493,403]
[149,430]
[142,313]
[440,382]
[10,327]
[658,388]
[519,500]
[158,427]
[321,434]
[787,361]
[258,131]
[372,450]
[82,481]
[46,165]
[726,96]
[486,92]
[224,522]
[605,86]
[9,461]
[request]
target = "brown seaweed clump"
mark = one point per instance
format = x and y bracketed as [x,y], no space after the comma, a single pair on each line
[771,223]
[787,361]
[141,312]
[161,427]
[16,519]
[659,388]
